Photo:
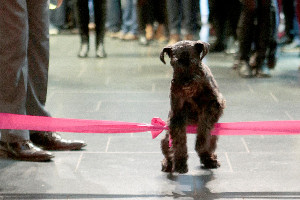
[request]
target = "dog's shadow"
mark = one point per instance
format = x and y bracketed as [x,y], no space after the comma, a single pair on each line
[195,187]
[192,186]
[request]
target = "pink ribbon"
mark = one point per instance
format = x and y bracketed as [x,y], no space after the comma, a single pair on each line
[38,123]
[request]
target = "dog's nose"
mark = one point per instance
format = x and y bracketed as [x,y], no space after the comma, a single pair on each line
[184,62]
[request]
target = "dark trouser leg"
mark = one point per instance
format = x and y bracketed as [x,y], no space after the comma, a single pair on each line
[22,39]
[143,15]
[38,57]
[13,63]
[191,23]
[160,12]
[245,37]
[273,39]
[100,18]
[246,28]
[234,12]
[83,20]
[174,16]
[289,13]
[263,30]
[219,21]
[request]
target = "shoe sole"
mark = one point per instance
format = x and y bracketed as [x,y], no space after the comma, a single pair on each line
[74,148]
[32,159]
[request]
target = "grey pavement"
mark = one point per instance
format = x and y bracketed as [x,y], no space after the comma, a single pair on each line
[132,85]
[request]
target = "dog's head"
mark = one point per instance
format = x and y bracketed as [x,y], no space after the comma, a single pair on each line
[185,56]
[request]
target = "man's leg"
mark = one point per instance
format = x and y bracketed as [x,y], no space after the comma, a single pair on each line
[114,16]
[13,63]
[38,57]
[13,79]
[191,22]
[38,65]
[174,20]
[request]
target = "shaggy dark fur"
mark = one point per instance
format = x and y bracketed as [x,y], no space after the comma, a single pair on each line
[195,99]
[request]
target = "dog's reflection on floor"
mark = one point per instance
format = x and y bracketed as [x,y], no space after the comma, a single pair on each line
[192,186]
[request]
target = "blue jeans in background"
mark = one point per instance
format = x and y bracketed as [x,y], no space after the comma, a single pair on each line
[130,24]
[184,16]
[114,16]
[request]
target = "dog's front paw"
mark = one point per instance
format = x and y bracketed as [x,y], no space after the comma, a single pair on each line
[166,165]
[210,161]
[180,166]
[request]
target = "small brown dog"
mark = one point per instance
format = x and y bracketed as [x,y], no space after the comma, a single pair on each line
[195,100]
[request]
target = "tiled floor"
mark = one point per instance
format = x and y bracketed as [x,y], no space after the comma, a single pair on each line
[131,84]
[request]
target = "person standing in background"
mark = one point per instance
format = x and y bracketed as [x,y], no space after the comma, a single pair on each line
[114,18]
[258,33]
[129,29]
[84,19]
[224,18]
[288,9]
[184,19]
[150,12]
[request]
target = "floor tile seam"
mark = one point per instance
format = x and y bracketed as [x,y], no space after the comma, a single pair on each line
[153,87]
[82,71]
[114,152]
[245,144]
[228,161]
[274,97]
[107,144]
[107,81]
[158,152]
[78,162]
[78,91]
[265,153]
[250,88]
[98,106]
[288,115]
[136,101]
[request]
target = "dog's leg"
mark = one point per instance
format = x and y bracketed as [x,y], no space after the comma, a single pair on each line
[179,146]
[207,143]
[167,152]
[208,158]
[205,147]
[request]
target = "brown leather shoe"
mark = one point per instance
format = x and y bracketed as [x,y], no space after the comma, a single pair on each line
[25,151]
[53,141]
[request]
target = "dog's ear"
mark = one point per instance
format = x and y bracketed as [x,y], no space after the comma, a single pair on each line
[202,48]
[162,54]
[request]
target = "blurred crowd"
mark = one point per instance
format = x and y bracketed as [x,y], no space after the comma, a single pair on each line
[253,31]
